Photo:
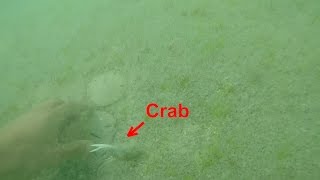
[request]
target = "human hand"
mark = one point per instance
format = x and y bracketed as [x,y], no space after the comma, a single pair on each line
[33,141]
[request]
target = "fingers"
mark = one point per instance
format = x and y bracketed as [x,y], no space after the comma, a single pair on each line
[76,150]
[49,105]
[40,112]
[55,105]
[67,113]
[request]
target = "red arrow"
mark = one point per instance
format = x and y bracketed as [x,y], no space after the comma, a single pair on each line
[132,131]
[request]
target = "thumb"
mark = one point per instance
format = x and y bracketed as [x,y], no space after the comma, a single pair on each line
[72,151]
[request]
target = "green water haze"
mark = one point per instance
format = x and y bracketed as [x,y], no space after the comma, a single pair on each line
[249,71]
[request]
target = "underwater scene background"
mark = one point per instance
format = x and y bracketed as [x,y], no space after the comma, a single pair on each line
[249,72]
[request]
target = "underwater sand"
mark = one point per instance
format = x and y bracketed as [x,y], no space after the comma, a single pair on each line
[249,72]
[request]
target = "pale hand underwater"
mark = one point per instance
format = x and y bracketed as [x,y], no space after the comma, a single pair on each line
[30,143]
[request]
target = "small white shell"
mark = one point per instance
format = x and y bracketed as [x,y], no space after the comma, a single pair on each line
[106,89]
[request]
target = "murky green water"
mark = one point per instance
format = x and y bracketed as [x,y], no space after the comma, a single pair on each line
[248,71]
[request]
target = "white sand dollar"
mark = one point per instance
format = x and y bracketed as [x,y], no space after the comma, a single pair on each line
[106,89]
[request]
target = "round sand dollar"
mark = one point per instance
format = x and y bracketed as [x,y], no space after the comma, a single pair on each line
[106,89]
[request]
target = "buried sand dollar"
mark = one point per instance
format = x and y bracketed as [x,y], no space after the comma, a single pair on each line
[106,89]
